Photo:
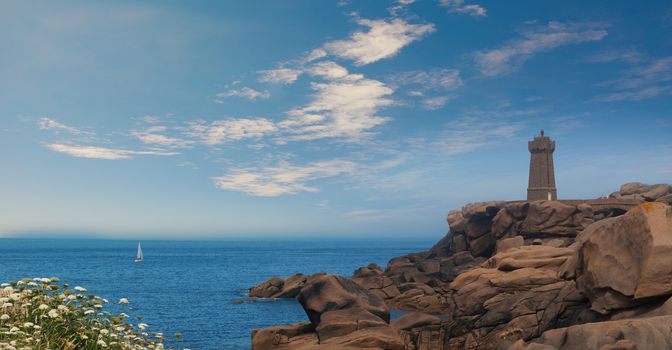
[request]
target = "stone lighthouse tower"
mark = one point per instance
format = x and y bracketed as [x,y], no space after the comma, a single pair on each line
[542,175]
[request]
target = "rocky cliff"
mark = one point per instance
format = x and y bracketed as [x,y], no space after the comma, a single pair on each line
[580,274]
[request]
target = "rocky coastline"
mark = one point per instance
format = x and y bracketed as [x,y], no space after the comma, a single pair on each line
[576,274]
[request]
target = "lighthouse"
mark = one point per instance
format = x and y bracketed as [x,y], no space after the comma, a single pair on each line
[541,184]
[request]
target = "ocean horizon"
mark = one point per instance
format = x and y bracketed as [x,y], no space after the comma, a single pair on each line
[190,287]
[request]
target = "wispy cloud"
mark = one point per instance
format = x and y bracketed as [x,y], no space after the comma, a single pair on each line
[345,106]
[151,136]
[226,130]
[468,134]
[383,39]
[45,123]
[103,153]
[281,179]
[631,56]
[436,102]
[648,79]
[434,79]
[244,92]
[279,75]
[315,55]
[510,57]
[459,6]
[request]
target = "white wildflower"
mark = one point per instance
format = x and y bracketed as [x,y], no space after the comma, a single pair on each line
[88,312]
[123,301]
[142,326]
[101,343]
[72,297]
[43,306]
[53,313]
[4,317]
[45,280]
[28,325]
[14,330]
[104,331]
[6,305]
[80,289]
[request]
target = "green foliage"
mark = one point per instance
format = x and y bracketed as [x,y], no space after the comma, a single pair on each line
[40,314]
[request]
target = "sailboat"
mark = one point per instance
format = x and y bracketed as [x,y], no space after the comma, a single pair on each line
[138,258]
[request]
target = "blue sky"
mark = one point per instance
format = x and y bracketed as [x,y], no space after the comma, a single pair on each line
[315,118]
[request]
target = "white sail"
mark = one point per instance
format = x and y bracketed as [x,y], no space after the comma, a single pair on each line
[138,257]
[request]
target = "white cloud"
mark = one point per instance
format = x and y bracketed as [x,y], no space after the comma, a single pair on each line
[151,136]
[649,79]
[328,70]
[344,107]
[101,152]
[458,6]
[279,75]
[315,55]
[281,179]
[244,92]
[406,2]
[510,57]
[45,123]
[383,40]
[434,79]
[435,102]
[226,130]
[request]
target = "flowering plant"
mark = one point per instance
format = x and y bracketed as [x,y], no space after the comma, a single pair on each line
[42,313]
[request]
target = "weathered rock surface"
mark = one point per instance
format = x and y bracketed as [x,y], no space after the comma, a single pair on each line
[279,288]
[576,274]
[647,333]
[342,314]
[373,279]
[297,336]
[345,321]
[521,289]
[542,219]
[642,192]
[414,320]
[625,260]
[323,293]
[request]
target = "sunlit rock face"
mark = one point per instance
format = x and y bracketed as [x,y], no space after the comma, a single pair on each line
[588,274]
[626,259]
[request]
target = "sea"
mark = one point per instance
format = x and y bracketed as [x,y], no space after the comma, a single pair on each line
[191,287]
